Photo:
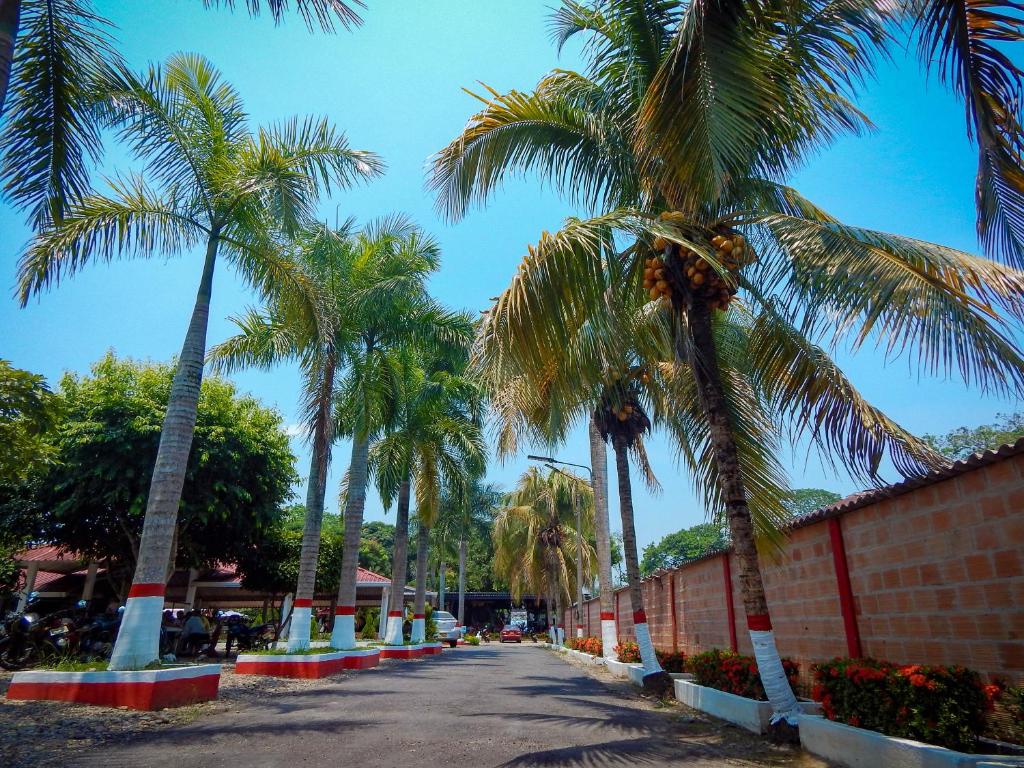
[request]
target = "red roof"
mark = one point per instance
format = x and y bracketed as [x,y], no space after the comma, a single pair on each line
[364,576]
[47,553]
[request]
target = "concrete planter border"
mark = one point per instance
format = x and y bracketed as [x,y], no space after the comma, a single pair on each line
[586,658]
[860,748]
[746,713]
[409,651]
[636,674]
[619,669]
[306,666]
[145,689]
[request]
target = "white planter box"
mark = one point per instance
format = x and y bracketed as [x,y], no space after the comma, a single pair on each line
[636,675]
[586,658]
[618,668]
[860,748]
[746,713]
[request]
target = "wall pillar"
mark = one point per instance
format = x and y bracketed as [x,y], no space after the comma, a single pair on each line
[190,592]
[846,605]
[672,609]
[382,622]
[730,609]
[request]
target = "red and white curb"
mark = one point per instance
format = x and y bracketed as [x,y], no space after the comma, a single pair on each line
[409,651]
[308,666]
[146,689]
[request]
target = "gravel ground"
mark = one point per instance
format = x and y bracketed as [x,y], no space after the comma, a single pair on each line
[488,706]
[44,733]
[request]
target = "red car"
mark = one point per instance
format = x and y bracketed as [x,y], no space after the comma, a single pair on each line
[511,633]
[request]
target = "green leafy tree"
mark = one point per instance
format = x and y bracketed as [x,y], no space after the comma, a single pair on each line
[93,498]
[802,501]
[27,411]
[965,441]
[682,133]
[220,186]
[681,546]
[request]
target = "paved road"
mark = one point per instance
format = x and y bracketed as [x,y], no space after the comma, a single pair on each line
[472,707]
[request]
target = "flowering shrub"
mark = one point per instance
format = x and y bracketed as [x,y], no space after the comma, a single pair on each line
[732,673]
[628,652]
[591,645]
[671,662]
[938,705]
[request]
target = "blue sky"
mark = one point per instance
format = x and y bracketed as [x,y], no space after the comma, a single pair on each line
[394,86]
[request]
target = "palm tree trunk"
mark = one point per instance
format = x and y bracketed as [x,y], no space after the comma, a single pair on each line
[462,581]
[636,595]
[709,386]
[599,462]
[344,633]
[10,19]
[419,610]
[323,434]
[138,641]
[396,605]
[579,564]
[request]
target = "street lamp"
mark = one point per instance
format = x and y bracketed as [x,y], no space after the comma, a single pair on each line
[549,462]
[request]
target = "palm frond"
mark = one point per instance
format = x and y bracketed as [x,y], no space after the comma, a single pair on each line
[321,13]
[966,43]
[134,222]
[51,135]
[574,146]
[804,386]
[952,310]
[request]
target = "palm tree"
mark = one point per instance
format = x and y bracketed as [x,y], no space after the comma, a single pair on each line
[391,312]
[218,185]
[611,374]
[535,536]
[433,444]
[317,337]
[711,161]
[52,53]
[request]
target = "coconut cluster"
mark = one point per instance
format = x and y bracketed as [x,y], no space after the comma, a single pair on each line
[656,279]
[699,278]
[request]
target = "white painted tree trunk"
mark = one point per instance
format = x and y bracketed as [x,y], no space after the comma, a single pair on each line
[599,463]
[138,639]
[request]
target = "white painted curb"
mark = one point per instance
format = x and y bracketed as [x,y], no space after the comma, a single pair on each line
[860,748]
[746,713]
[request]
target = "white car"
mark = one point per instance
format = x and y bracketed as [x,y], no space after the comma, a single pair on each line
[447,628]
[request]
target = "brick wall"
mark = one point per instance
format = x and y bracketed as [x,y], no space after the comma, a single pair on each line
[936,573]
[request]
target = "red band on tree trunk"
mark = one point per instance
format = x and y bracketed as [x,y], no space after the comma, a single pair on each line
[760,622]
[639,617]
[303,602]
[579,626]
[147,590]
[393,614]
[607,615]
[345,610]
[419,615]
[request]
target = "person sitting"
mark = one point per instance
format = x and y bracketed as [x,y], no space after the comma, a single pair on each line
[195,634]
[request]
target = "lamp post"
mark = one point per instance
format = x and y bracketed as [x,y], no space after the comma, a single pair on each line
[550,462]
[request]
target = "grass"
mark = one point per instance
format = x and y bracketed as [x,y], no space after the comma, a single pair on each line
[303,652]
[71,664]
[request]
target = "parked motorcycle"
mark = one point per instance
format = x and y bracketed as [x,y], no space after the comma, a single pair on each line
[248,638]
[29,638]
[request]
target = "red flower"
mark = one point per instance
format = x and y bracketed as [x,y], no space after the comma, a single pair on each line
[854,721]
[918,681]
